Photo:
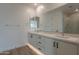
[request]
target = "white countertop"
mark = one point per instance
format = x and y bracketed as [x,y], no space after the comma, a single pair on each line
[71,38]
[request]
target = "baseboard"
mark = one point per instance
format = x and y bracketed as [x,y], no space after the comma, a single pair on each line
[32,49]
[36,51]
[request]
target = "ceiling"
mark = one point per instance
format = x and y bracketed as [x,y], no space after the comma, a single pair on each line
[67,8]
[48,6]
[70,8]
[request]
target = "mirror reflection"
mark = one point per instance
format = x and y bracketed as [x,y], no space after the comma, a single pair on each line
[34,23]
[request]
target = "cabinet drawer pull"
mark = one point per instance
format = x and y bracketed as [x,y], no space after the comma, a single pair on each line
[39,42]
[54,44]
[57,44]
[39,48]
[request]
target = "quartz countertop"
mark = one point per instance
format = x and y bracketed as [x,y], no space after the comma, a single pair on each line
[70,38]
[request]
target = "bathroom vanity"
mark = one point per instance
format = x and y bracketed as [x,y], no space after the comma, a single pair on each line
[59,33]
[54,43]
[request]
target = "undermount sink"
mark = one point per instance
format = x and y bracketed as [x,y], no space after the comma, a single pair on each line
[62,36]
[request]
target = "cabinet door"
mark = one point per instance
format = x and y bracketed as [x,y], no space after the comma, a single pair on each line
[38,39]
[30,38]
[49,48]
[66,48]
[35,40]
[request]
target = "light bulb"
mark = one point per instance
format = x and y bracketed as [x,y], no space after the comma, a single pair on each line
[35,4]
[40,9]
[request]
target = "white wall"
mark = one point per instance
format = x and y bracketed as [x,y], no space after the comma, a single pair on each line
[13,26]
[52,21]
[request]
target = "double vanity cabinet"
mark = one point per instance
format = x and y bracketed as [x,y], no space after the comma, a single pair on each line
[52,46]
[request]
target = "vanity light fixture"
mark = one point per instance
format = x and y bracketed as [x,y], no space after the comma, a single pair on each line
[35,4]
[40,7]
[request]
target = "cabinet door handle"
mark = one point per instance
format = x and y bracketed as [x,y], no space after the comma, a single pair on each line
[39,42]
[57,44]
[54,44]
[31,36]
[39,48]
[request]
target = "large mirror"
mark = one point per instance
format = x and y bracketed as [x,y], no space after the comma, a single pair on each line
[63,19]
[71,18]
